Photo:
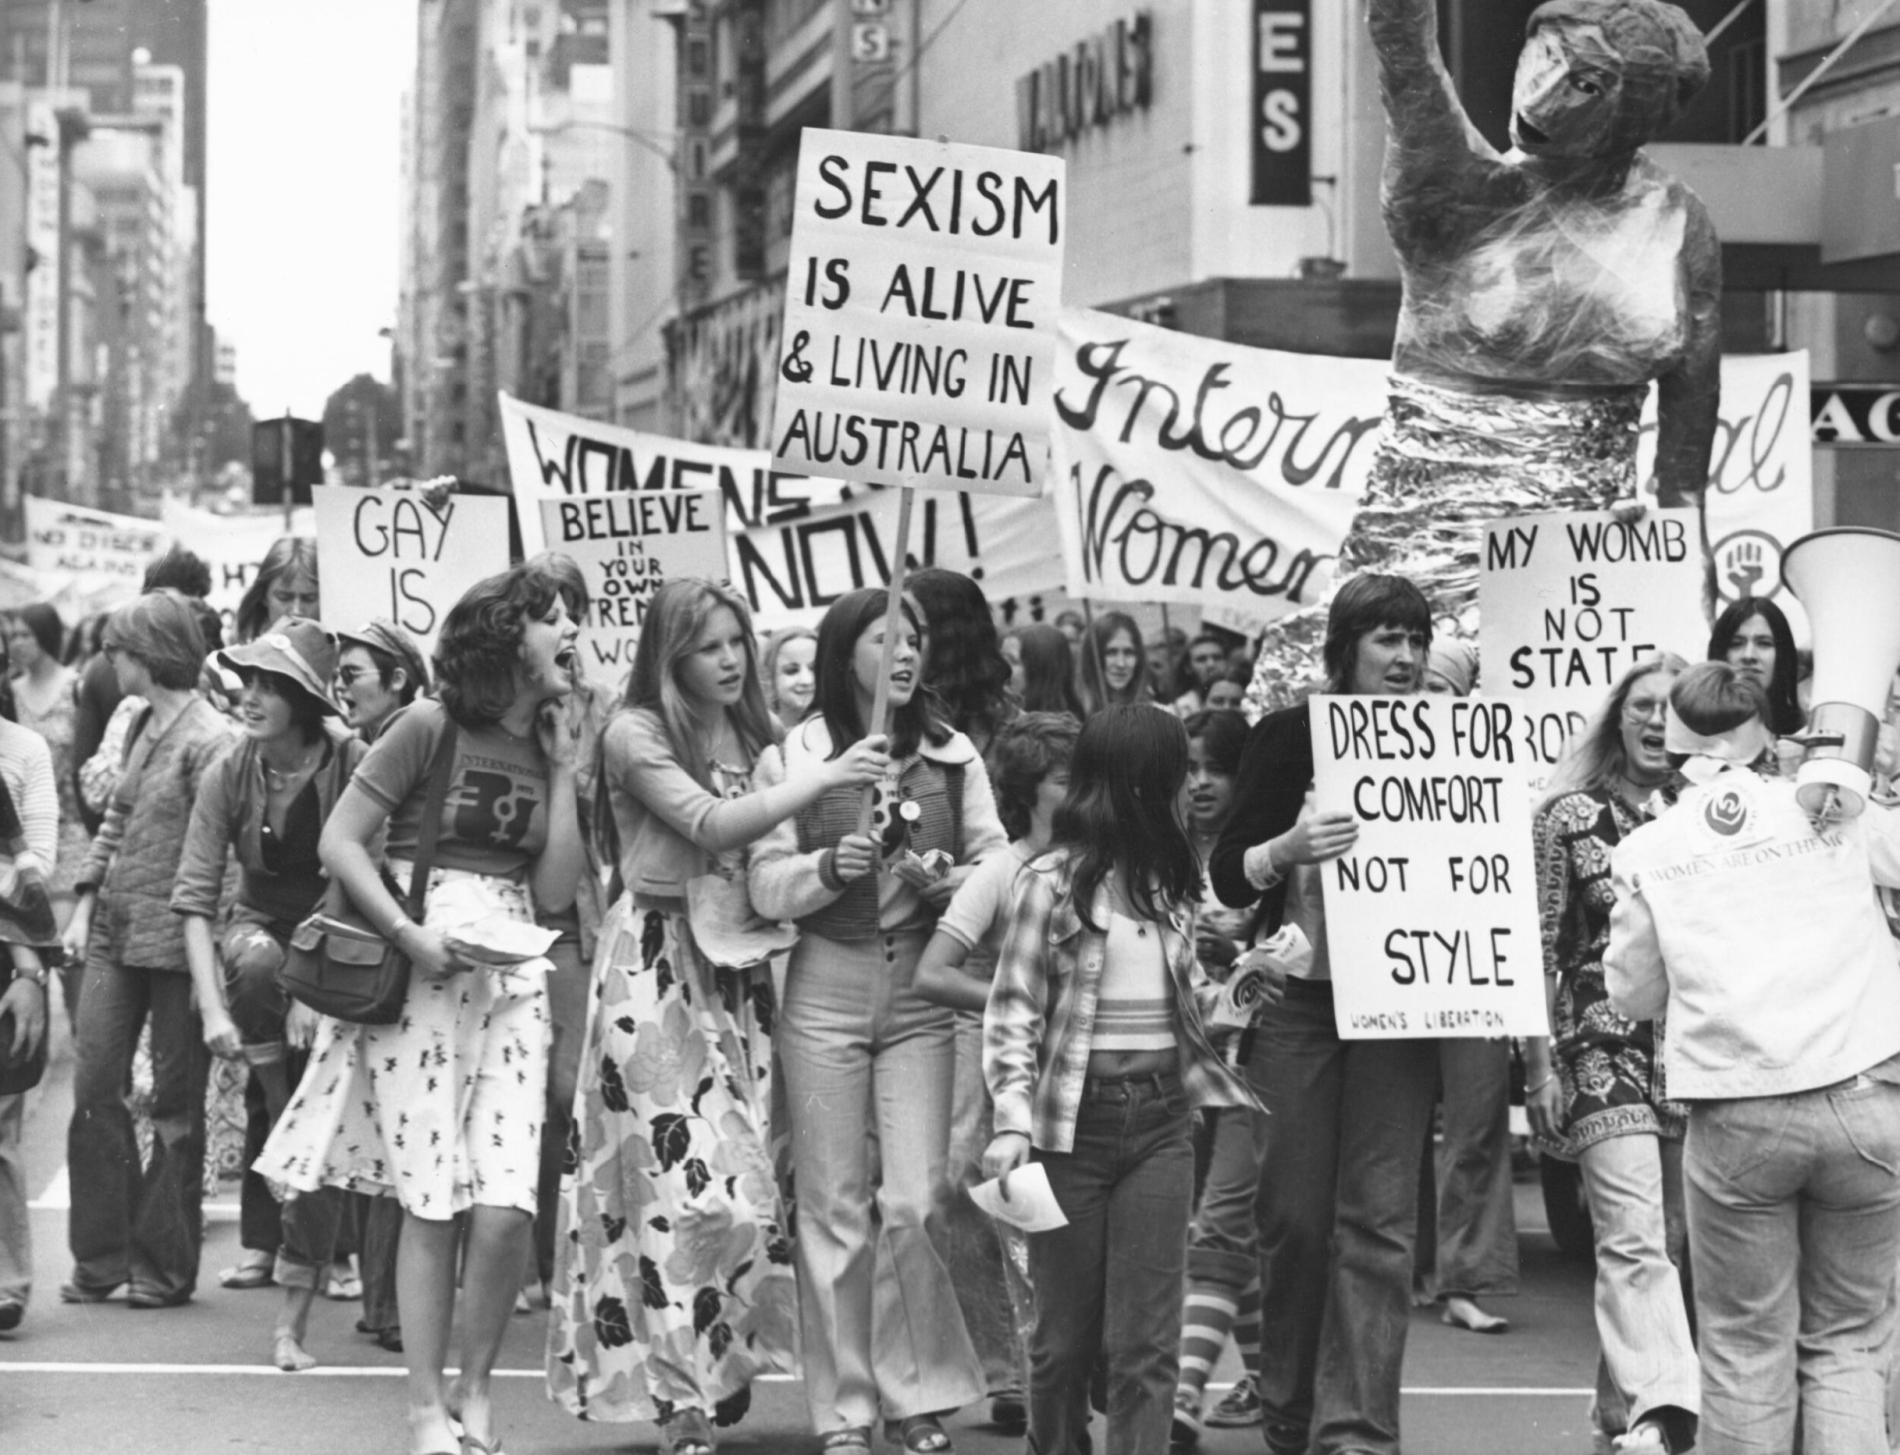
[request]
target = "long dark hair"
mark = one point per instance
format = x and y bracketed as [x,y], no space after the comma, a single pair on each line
[1784,704]
[836,700]
[1123,812]
[1091,683]
[964,666]
[1048,670]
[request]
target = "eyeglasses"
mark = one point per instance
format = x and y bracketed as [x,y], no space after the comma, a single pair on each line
[1639,709]
[349,676]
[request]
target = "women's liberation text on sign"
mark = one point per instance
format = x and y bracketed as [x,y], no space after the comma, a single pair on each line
[1431,918]
[920,308]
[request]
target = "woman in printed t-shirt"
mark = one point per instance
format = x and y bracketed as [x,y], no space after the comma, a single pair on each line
[445,1106]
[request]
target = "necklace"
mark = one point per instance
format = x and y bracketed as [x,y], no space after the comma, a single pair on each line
[277,782]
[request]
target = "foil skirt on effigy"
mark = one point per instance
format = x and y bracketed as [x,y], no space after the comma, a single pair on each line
[1449,462]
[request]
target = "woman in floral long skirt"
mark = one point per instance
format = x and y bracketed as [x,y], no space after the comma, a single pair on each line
[673,1279]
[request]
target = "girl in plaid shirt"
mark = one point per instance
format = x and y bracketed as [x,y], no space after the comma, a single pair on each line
[1096,1054]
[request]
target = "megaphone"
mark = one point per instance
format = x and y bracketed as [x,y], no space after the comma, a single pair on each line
[1848,582]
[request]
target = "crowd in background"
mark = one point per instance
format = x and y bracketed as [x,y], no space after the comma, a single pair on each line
[802,959]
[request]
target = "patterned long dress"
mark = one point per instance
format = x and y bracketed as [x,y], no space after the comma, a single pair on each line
[1609,1068]
[673,1271]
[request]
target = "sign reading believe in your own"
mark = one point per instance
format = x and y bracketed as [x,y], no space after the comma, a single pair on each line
[628,545]
[1431,918]
[1569,602]
[921,296]
[390,553]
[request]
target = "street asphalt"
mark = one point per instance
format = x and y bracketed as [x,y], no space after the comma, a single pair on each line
[107,1378]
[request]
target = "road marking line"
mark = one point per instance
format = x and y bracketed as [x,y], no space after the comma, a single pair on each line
[348,1372]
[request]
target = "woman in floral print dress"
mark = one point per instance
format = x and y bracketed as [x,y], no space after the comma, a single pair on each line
[673,1281]
[1601,1103]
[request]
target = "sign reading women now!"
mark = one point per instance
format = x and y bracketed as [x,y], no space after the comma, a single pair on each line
[921,297]
[1431,919]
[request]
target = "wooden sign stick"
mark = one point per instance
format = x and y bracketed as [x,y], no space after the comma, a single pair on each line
[893,619]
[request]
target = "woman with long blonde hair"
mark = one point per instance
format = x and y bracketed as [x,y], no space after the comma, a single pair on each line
[673,1280]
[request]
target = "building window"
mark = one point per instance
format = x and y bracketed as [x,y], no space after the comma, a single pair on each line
[698,58]
[698,210]
[699,107]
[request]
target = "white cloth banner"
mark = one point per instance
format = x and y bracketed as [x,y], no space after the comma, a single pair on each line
[921,295]
[1431,919]
[1187,469]
[1761,496]
[795,542]
[94,550]
[231,545]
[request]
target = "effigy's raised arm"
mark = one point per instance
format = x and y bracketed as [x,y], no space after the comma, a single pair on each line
[1688,395]
[1426,125]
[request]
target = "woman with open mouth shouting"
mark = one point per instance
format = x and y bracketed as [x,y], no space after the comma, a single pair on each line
[444,1108]
[865,1058]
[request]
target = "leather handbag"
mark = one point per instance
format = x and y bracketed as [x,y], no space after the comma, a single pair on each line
[336,962]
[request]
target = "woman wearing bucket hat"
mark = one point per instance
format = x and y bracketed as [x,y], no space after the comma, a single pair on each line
[266,799]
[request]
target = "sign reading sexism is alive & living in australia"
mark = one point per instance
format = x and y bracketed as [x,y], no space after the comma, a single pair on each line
[1570,602]
[1431,918]
[920,313]
[390,553]
[628,545]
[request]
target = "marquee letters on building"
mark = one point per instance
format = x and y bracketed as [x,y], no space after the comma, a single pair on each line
[1107,75]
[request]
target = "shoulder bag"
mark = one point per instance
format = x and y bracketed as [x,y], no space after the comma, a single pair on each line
[336,963]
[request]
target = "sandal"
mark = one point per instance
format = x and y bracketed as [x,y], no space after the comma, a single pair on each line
[686,1433]
[253,1270]
[857,1437]
[920,1434]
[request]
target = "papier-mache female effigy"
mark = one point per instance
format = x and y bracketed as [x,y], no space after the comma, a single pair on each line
[1543,289]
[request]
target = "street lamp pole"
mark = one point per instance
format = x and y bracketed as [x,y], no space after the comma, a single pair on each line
[73,129]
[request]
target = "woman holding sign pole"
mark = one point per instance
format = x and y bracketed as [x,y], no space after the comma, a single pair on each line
[867,1061]
[1598,1101]
[1338,1201]
[673,1285]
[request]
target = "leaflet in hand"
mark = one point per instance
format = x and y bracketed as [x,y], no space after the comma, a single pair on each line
[1031,1204]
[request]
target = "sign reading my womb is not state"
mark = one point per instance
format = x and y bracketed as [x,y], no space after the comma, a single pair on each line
[921,297]
[1431,917]
[628,546]
[389,553]
[1569,602]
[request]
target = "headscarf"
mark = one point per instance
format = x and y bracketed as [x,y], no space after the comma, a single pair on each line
[1454,663]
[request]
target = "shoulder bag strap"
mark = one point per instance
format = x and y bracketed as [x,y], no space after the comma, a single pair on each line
[431,823]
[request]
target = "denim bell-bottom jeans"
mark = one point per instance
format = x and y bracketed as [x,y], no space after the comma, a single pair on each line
[1338,1217]
[1111,1280]
[1794,1232]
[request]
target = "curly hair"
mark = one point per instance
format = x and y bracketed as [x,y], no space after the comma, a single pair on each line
[478,654]
[286,555]
[182,570]
[1026,750]
[964,667]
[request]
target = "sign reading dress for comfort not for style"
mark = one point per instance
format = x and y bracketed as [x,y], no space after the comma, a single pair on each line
[921,297]
[1431,919]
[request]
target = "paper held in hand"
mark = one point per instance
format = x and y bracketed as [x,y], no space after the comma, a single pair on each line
[1031,1204]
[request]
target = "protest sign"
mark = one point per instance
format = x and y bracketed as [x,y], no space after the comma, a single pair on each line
[1569,602]
[91,546]
[389,553]
[628,546]
[1431,917]
[922,289]
[790,573]
[231,545]
[1761,476]
[551,455]
[1193,470]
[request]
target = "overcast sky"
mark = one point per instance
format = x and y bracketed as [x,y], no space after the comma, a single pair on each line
[304,171]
